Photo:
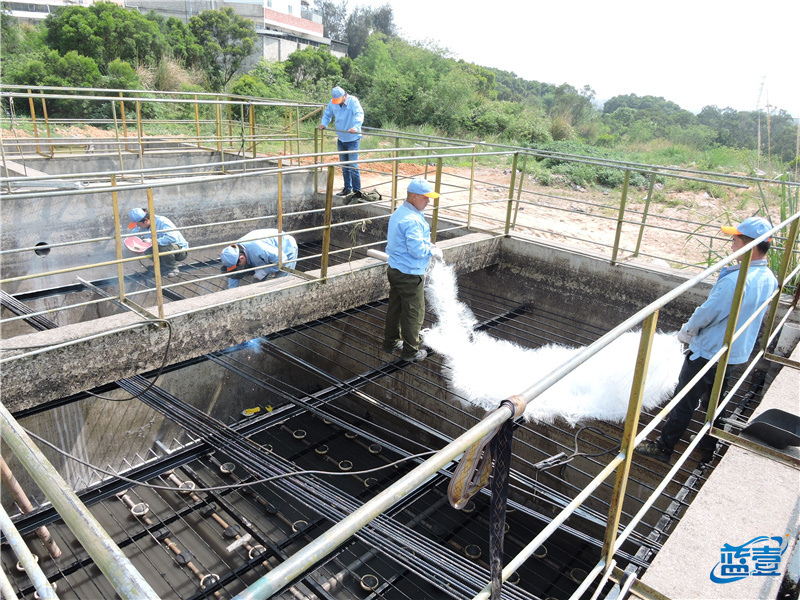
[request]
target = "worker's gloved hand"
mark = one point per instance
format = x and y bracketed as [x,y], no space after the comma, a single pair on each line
[437,254]
[683,336]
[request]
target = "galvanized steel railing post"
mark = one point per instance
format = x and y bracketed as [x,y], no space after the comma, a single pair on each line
[471,186]
[124,122]
[395,168]
[280,195]
[644,214]
[786,260]
[139,136]
[326,232]
[122,575]
[629,436]
[156,259]
[519,189]
[733,317]
[621,216]
[116,135]
[118,239]
[316,159]
[33,121]
[253,128]
[511,192]
[197,120]
[47,124]
[437,186]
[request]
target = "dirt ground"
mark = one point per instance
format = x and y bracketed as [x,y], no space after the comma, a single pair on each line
[573,216]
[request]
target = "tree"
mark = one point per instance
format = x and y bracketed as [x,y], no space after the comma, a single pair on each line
[312,65]
[104,31]
[334,17]
[363,22]
[226,39]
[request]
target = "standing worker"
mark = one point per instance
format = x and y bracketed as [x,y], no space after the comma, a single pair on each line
[168,237]
[410,250]
[347,112]
[705,332]
[258,248]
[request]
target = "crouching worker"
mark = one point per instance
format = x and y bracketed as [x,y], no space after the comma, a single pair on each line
[168,236]
[258,249]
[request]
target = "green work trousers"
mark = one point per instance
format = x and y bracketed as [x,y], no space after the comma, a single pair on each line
[168,261]
[405,313]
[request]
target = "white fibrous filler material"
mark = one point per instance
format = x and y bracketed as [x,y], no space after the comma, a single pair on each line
[483,370]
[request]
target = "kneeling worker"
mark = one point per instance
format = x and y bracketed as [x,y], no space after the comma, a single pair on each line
[168,237]
[258,249]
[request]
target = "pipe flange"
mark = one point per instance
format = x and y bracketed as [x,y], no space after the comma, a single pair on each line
[540,552]
[231,532]
[256,550]
[186,487]
[345,465]
[140,510]
[53,585]
[472,551]
[299,434]
[21,569]
[578,575]
[321,450]
[209,580]
[299,525]
[438,529]
[375,449]
[514,578]
[469,508]
[370,482]
[227,468]
[184,558]
[369,582]
[327,421]
[350,435]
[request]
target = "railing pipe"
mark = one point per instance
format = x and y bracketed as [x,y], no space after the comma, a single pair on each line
[33,119]
[471,186]
[26,558]
[788,250]
[6,590]
[47,123]
[511,193]
[122,575]
[326,232]
[437,186]
[621,216]
[118,240]
[644,214]
[519,189]
[628,437]
[156,258]
[124,122]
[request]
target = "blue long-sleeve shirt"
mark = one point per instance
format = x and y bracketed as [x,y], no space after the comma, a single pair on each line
[166,234]
[262,251]
[348,115]
[708,322]
[409,241]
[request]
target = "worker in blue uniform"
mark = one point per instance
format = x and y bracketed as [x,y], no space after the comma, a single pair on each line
[410,250]
[168,237]
[259,248]
[704,333]
[346,111]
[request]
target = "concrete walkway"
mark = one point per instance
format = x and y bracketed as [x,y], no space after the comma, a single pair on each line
[746,496]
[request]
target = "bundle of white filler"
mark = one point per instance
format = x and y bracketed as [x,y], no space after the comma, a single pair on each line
[484,370]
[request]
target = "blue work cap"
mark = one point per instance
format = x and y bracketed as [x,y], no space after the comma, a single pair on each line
[135,215]
[423,187]
[337,95]
[752,227]
[230,256]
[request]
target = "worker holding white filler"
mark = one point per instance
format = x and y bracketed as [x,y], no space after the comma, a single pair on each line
[410,249]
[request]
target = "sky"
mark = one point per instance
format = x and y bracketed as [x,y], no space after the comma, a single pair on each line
[741,55]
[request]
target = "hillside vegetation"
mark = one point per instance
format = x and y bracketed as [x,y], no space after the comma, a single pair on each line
[402,85]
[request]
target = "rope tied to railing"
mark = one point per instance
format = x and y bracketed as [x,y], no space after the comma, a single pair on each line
[472,474]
